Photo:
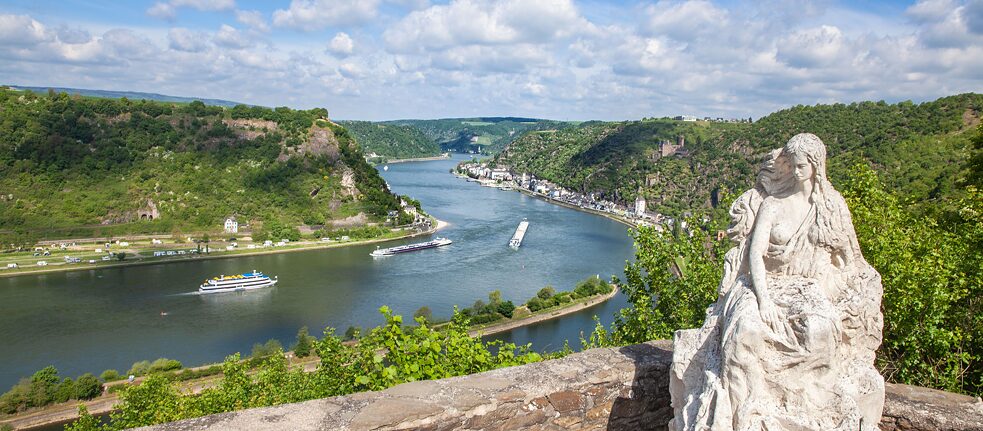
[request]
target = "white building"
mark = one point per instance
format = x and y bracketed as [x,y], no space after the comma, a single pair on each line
[639,206]
[231,225]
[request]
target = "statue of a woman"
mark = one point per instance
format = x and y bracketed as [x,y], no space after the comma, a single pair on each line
[789,344]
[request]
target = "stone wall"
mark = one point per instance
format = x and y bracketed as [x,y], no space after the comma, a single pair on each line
[614,389]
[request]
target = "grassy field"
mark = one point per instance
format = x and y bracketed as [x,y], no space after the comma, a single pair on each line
[136,252]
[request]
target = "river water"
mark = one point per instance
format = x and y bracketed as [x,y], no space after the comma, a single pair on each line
[88,321]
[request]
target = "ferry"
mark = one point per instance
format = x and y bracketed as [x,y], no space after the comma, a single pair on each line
[436,242]
[520,232]
[237,283]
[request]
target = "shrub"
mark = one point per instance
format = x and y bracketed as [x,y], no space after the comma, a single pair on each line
[164,364]
[546,293]
[110,376]
[139,368]
[87,387]
[535,304]
[304,344]
[506,308]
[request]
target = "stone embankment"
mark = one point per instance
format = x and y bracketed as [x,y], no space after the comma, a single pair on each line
[610,388]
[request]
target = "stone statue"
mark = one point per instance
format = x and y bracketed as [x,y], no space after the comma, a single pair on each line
[790,342]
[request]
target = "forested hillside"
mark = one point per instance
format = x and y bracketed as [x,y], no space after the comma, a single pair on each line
[76,166]
[918,148]
[392,141]
[487,135]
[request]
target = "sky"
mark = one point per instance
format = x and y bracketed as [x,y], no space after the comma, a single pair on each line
[556,59]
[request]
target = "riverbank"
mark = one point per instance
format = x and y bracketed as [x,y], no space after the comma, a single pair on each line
[444,156]
[68,411]
[138,260]
[544,315]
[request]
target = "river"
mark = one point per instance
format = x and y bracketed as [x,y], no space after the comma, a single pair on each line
[88,321]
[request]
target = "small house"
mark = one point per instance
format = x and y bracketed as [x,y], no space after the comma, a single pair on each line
[231,225]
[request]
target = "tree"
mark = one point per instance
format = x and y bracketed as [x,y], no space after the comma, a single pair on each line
[494,297]
[65,390]
[110,375]
[270,348]
[505,308]
[546,293]
[425,313]
[304,343]
[671,282]
[120,256]
[43,385]
[353,333]
[87,387]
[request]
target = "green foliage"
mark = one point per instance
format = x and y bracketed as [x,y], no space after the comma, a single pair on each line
[110,376]
[64,391]
[304,344]
[71,165]
[153,401]
[388,355]
[139,368]
[932,282]
[392,141]
[120,256]
[43,386]
[270,348]
[85,421]
[919,149]
[159,365]
[87,387]
[423,313]
[505,308]
[661,296]
[485,135]
[353,333]
[931,270]
[46,387]
[546,292]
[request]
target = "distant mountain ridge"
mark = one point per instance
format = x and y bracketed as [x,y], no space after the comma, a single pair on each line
[133,95]
[919,149]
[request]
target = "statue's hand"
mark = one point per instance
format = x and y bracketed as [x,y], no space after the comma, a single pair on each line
[769,314]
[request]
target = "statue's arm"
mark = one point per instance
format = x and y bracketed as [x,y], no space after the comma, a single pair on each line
[760,236]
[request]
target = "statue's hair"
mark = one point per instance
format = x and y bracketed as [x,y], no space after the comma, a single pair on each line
[829,231]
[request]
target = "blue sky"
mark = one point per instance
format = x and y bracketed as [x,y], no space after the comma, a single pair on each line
[559,59]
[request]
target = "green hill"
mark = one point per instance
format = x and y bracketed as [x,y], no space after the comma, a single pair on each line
[74,166]
[133,95]
[919,149]
[484,135]
[392,141]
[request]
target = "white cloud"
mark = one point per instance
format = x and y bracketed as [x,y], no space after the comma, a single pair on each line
[230,37]
[685,21]
[311,15]
[817,47]
[162,10]
[478,22]
[182,39]
[341,45]
[22,31]
[254,19]
[168,9]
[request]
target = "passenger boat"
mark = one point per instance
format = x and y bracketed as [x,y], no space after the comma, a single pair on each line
[436,242]
[236,283]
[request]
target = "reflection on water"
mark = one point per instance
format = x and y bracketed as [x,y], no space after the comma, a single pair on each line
[88,321]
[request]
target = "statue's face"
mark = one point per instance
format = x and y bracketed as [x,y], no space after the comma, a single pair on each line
[801,168]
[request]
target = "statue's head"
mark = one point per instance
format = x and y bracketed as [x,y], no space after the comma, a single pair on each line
[774,173]
[806,155]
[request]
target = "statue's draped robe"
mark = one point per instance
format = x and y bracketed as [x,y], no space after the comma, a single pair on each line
[816,371]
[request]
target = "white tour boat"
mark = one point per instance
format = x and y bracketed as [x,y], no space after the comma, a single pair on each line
[437,242]
[236,283]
